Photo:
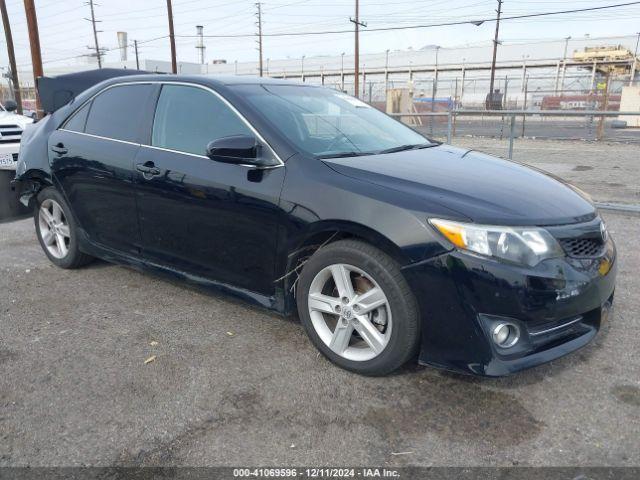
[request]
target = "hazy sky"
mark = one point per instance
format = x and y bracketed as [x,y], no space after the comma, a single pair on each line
[65,34]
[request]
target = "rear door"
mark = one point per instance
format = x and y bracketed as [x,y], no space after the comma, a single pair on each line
[92,159]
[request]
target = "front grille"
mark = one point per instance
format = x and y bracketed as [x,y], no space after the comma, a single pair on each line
[553,326]
[10,134]
[582,247]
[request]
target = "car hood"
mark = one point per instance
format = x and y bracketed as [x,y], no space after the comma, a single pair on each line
[483,188]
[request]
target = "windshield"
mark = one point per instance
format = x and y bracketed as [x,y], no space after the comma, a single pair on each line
[327,123]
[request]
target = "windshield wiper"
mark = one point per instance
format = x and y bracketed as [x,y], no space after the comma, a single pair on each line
[345,154]
[402,148]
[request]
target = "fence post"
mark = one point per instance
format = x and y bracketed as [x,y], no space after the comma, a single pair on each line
[512,133]
[449,125]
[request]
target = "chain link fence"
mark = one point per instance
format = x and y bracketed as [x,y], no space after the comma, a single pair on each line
[510,125]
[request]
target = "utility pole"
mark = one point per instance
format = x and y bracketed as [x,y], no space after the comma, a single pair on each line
[566,46]
[12,56]
[342,72]
[95,34]
[172,38]
[386,73]
[633,66]
[434,87]
[356,71]
[34,42]
[495,52]
[605,104]
[259,24]
[524,72]
[564,64]
[135,46]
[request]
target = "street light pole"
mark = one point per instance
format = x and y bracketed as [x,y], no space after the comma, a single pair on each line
[302,68]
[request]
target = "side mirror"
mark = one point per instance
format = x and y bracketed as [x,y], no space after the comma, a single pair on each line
[10,106]
[239,149]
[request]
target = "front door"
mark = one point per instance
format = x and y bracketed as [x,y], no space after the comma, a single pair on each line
[214,220]
[92,161]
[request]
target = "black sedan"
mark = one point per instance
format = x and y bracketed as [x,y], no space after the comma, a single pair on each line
[390,246]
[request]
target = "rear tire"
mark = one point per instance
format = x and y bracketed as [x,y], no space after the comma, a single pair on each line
[57,231]
[371,328]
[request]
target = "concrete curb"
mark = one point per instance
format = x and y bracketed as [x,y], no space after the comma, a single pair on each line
[618,207]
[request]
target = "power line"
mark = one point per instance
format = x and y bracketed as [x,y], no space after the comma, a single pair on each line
[428,25]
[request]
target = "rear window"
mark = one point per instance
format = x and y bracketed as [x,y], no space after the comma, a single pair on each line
[117,112]
[78,120]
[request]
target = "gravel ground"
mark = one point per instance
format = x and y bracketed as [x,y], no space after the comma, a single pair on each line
[609,172]
[234,385]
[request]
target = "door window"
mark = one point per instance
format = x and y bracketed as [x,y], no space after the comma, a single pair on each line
[188,118]
[117,112]
[77,122]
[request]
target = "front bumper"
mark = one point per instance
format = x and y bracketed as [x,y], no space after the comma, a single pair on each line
[558,306]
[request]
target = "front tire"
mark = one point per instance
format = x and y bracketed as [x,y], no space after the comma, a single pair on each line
[57,231]
[357,308]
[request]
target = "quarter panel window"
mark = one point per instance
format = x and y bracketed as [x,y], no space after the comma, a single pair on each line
[188,118]
[117,112]
[78,120]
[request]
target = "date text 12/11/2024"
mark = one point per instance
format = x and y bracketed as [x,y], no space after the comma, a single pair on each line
[315,473]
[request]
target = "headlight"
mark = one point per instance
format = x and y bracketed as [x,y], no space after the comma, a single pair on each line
[523,245]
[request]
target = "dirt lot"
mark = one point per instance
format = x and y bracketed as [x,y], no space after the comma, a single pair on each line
[609,172]
[233,385]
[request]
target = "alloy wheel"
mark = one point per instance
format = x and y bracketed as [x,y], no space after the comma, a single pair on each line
[350,312]
[54,228]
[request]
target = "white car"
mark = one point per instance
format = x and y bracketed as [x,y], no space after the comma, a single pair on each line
[11,127]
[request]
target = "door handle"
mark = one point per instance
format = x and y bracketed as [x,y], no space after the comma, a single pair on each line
[148,170]
[59,149]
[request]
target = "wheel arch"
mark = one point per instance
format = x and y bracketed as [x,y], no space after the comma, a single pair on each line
[320,234]
[30,184]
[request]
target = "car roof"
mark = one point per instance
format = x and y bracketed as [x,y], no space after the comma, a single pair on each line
[209,80]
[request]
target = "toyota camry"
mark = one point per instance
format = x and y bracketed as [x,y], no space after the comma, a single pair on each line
[390,247]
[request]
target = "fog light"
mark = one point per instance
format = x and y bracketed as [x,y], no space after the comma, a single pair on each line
[505,335]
